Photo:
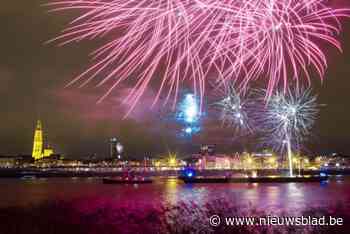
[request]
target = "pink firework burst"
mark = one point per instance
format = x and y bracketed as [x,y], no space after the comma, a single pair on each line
[177,41]
[281,40]
[166,38]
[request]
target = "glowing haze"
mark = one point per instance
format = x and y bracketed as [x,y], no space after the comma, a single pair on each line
[184,41]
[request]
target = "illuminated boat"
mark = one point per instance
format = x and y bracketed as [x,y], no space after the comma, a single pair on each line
[134,180]
[188,175]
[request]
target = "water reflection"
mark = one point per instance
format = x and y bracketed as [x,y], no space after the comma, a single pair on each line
[171,191]
[91,194]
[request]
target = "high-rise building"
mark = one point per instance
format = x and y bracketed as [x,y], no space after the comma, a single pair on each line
[38,142]
[39,151]
[207,149]
[113,147]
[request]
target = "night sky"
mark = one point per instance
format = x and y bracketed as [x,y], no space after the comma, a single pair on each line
[33,75]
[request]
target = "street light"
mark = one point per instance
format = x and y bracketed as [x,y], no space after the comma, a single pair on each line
[172,160]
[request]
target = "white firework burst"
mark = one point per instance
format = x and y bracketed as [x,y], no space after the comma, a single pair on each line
[235,110]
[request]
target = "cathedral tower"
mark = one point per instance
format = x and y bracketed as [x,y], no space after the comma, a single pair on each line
[38,142]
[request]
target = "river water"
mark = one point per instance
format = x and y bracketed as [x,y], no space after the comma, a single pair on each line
[89,195]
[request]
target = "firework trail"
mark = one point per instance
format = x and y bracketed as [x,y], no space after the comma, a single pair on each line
[189,115]
[152,38]
[291,114]
[281,39]
[236,109]
[288,119]
[183,41]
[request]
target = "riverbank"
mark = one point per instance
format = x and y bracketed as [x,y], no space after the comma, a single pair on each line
[62,173]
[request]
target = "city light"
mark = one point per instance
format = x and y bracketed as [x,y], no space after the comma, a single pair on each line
[249,160]
[272,160]
[189,172]
[120,148]
[172,160]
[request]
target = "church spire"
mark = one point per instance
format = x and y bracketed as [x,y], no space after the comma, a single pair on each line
[38,142]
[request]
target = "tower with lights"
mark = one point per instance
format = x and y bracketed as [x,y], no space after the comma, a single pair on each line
[38,142]
[39,151]
[113,147]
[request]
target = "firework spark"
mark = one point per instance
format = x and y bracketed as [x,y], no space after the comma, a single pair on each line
[189,114]
[149,38]
[182,41]
[235,109]
[291,114]
[281,39]
[288,119]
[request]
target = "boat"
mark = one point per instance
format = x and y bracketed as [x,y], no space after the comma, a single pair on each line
[135,180]
[285,179]
[266,179]
[191,180]
[28,177]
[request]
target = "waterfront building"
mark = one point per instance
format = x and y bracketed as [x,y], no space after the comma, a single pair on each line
[113,147]
[215,162]
[38,142]
[39,151]
[7,162]
[236,161]
[15,161]
[207,149]
[48,152]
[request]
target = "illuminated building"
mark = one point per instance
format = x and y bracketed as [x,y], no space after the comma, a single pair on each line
[48,152]
[208,149]
[7,162]
[38,142]
[113,147]
[15,161]
[215,162]
[39,151]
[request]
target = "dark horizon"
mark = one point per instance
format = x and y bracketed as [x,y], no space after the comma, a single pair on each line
[33,75]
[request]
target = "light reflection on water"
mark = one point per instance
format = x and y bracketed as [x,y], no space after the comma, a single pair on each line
[91,194]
